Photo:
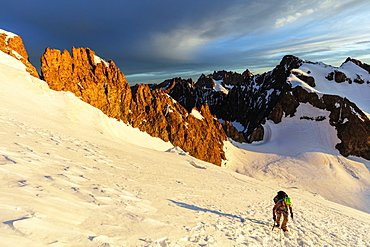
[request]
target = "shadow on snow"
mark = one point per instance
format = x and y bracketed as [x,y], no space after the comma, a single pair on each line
[196,208]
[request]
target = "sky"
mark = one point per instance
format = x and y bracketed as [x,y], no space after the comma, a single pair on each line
[151,41]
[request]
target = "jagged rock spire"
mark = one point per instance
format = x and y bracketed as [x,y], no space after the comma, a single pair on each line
[102,85]
[12,45]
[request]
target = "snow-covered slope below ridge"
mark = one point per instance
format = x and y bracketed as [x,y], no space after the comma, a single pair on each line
[70,176]
[357,93]
[300,152]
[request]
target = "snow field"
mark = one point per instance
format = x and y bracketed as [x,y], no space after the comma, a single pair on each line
[64,191]
[357,93]
[300,153]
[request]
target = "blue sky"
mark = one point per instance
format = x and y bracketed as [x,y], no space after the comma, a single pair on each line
[151,41]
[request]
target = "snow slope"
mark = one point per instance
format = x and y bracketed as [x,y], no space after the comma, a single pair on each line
[357,93]
[300,152]
[70,176]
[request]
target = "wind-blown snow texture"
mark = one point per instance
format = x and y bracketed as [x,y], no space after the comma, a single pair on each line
[70,176]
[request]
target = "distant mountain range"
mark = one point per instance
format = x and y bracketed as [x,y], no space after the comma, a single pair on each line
[244,102]
[199,116]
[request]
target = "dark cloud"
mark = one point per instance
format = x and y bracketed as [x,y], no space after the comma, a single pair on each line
[154,40]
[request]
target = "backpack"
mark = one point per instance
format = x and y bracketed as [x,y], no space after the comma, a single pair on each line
[280,195]
[283,197]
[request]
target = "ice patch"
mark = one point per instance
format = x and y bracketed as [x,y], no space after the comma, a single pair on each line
[100,60]
[16,54]
[219,88]
[196,114]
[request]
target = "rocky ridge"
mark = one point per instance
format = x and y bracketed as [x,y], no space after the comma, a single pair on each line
[12,45]
[102,85]
[199,116]
[249,98]
[256,98]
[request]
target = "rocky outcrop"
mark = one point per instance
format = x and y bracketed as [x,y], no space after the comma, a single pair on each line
[13,45]
[184,112]
[352,125]
[149,109]
[232,132]
[99,83]
[307,79]
[253,99]
[165,110]
[205,82]
[340,77]
[154,112]
[229,77]
[358,63]
[249,101]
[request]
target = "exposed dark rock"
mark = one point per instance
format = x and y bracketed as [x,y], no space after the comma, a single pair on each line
[228,77]
[257,134]
[268,96]
[307,79]
[358,63]
[165,110]
[205,82]
[285,107]
[318,118]
[359,80]
[352,125]
[232,132]
[339,77]
[330,76]
[247,73]
[249,101]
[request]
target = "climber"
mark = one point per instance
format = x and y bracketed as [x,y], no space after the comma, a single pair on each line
[283,205]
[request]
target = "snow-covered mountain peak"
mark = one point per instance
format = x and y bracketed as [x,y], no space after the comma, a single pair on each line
[9,35]
[12,45]
[349,80]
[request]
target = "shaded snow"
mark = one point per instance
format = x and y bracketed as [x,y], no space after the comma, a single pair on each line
[70,176]
[238,126]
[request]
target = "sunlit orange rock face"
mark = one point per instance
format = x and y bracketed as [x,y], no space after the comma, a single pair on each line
[104,86]
[13,46]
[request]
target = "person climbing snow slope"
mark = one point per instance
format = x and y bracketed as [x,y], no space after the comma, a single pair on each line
[283,205]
